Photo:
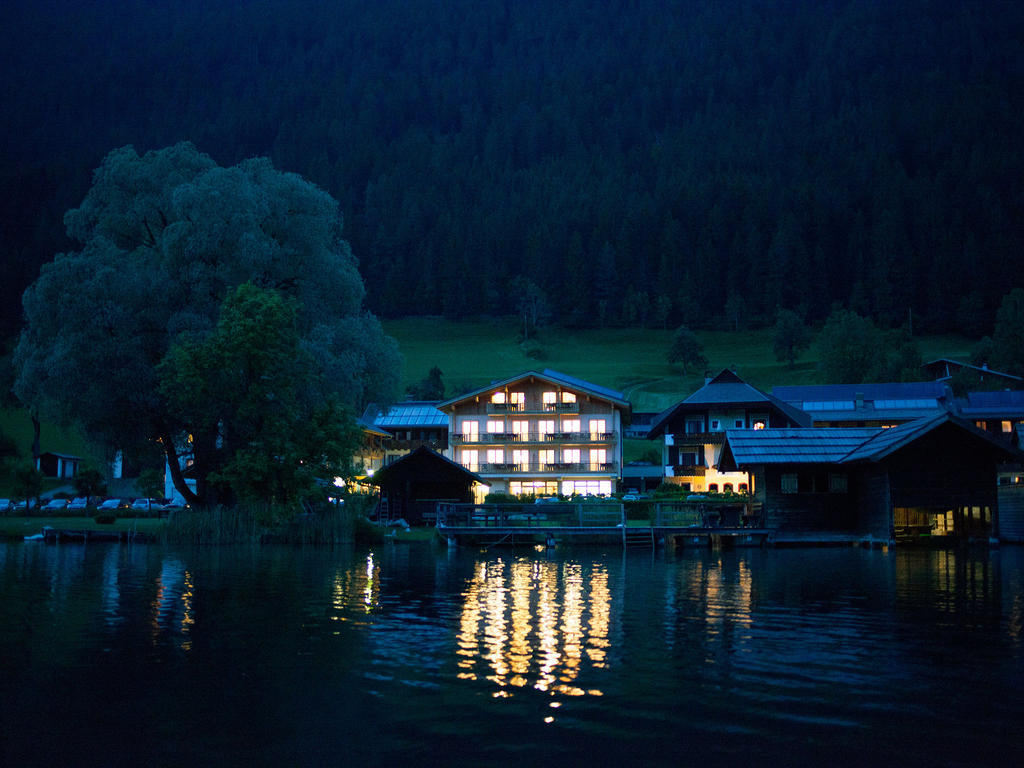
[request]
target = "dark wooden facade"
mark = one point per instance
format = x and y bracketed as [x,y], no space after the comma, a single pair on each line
[938,479]
[411,486]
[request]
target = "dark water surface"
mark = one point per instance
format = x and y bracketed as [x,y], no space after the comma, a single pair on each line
[127,655]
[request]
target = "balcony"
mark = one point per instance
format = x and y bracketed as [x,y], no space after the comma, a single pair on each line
[558,467]
[698,438]
[560,407]
[533,406]
[498,438]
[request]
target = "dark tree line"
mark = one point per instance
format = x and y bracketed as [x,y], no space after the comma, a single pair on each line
[642,162]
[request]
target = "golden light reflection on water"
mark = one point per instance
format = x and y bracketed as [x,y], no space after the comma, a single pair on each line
[533,624]
[356,588]
[172,606]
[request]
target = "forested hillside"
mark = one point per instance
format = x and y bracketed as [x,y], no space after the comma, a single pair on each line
[639,161]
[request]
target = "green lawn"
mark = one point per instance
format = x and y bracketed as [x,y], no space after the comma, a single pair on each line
[474,353]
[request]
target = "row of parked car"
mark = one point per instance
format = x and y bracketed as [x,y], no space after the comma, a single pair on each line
[87,504]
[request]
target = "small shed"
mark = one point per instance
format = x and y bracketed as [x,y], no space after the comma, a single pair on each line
[412,486]
[58,465]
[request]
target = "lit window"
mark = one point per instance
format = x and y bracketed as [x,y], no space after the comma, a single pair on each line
[495,426]
[498,397]
[1007,426]
[598,458]
[546,458]
[521,459]
[469,460]
[980,424]
[495,456]
[549,398]
[759,424]
[571,455]
[598,427]
[568,397]
[521,430]
[518,399]
[571,425]
[544,429]
[470,429]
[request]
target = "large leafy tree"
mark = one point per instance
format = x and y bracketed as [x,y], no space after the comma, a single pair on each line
[854,350]
[686,349]
[166,237]
[279,428]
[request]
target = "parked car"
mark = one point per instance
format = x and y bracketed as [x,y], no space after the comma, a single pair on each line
[6,505]
[631,497]
[22,506]
[79,503]
[146,504]
[110,504]
[55,505]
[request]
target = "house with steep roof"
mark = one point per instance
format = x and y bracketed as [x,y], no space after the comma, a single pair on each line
[540,433]
[934,476]
[867,405]
[410,424]
[999,413]
[693,431]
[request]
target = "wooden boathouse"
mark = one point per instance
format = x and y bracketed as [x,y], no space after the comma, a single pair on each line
[932,478]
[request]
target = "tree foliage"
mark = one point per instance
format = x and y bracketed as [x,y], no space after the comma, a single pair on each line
[791,336]
[1007,349]
[166,238]
[686,349]
[269,427]
[851,151]
[852,350]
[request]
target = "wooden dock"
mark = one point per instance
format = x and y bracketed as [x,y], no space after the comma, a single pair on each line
[550,524]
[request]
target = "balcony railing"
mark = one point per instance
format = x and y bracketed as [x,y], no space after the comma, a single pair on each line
[559,467]
[698,438]
[491,438]
[533,406]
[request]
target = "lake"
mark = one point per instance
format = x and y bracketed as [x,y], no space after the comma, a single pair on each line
[129,655]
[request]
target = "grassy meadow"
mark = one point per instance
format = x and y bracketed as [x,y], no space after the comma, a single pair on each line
[473,353]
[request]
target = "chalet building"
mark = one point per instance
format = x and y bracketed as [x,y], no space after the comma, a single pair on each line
[411,424]
[867,405]
[694,431]
[999,413]
[934,476]
[369,455]
[540,433]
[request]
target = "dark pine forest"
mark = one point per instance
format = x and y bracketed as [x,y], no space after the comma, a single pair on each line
[640,161]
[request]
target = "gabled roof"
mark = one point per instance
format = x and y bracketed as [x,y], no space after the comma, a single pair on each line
[406,414]
[1007,404]
[726,389]
[837,445]
[578,386]
[899,401]
[423,463]
[816,445]
[943,366]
